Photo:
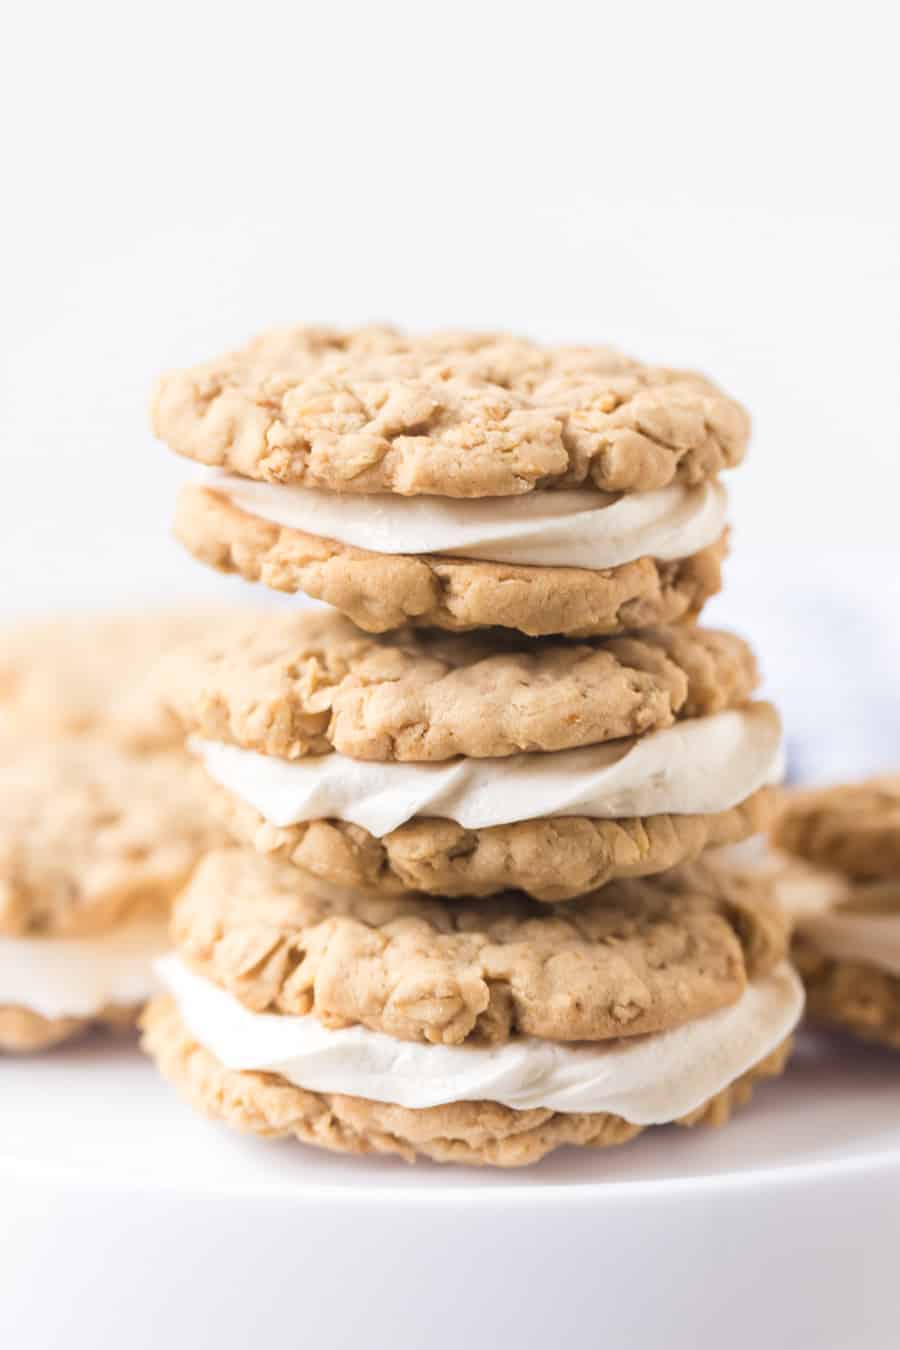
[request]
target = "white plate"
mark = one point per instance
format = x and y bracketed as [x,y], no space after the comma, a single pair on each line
[125,1219]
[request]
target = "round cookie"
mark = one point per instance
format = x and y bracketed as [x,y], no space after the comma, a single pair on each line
[89,674]
[380,591]
[459,415]
[646,965]
[853,828]
[95,841]
[635,958]
[308,684]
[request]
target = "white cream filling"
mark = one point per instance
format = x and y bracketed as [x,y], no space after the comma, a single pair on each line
[649,1080]
[812,898]
[869,939]
[552,529]
[696,767]
[77,977]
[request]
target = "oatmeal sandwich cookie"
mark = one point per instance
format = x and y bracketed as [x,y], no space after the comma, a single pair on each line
[491,1032]
[842,886]
[462,765]
[94,843]
[457,481]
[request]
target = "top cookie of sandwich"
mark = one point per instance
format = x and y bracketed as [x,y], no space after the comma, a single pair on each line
[446,414]
[635,958]
[853,828]
[89,675]
[307,684]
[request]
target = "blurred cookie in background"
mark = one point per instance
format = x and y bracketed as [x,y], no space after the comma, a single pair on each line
[841,885]
[95,841]
[78,674]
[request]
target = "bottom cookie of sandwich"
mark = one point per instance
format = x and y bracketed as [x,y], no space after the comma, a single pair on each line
[474,1132]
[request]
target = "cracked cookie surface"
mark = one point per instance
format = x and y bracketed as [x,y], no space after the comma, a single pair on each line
[380,591]
[474,1133]
[634,958]
[293,685]
[447,414]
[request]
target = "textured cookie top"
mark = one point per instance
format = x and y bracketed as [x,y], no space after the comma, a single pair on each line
[293,685]
[636,957]
[90,674]
[854,828]
[446,414]
[89,832]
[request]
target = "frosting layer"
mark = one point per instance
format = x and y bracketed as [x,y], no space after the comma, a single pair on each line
[76,977]
[550,529]
[697,767]
[868,939]
[650,1080]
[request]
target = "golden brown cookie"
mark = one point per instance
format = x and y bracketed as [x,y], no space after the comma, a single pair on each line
[380,592]
[308,684]
[474,1133]
[551,859]
[448,414]
[90,833]
[634,958]
[853,828]
[89,674]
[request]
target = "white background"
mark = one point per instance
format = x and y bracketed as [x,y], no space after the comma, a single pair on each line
[701,184]
[713,184]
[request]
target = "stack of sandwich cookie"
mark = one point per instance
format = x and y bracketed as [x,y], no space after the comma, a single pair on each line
[98,829]
[462,766]
[485,1032]
[457,481]
[464,917]
[842,885]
